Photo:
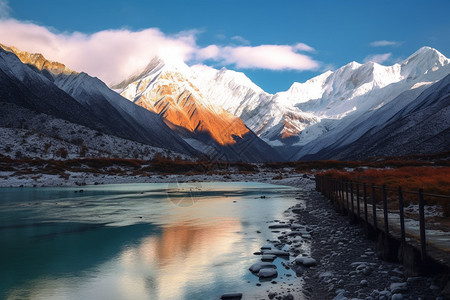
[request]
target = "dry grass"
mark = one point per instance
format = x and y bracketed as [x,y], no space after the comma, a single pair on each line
[432,180]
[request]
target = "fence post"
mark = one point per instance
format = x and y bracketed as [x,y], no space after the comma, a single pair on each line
[374,207]
[346,195]
[332,191]
[357,200]
[385,211]
[402,216]
[422,225]
[329,187]
[351,198]
[336,192]
[365,203]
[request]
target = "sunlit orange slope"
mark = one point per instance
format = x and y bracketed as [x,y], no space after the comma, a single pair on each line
[166,90]
[39,61]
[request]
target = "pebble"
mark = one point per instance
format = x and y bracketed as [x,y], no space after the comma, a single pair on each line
[231,296]
[272,295]
[256,267]
[340,295]
[288,297]
[278,226]
[397,296]
[268,257]
[434,287]
[413,279]
[276,252]
[267,273]
[398,287]
[305,261]
[385,293]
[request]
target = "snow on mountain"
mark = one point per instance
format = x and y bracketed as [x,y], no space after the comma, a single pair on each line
[420,125]
[263,113]
[170,89]
[378,88]
[307,111]
[81,99]
[130,120]
[223,114]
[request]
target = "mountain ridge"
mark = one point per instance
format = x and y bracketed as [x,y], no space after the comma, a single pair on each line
[169,90]
[27,86]
[328,97]
[39,61]
[223,114]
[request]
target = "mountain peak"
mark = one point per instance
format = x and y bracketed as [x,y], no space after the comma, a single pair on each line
[427,49]
[156,64]
[428,55]
[39,61]
[352,65]
[423,61]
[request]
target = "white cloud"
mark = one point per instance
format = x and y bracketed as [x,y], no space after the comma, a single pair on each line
[272,57]
[110,54]
[378,58]
[303,47]
[240,40]
[209,52]
[113,55]
[4,9]
[385,43]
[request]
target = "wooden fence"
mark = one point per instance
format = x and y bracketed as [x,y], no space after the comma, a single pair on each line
[383,208]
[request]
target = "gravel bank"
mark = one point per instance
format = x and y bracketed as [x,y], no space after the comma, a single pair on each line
[347,264]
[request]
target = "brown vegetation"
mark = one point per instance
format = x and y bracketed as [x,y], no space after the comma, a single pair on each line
[434,181]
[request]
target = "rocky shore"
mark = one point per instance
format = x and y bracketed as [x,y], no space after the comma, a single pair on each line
[329,257]
[333,259]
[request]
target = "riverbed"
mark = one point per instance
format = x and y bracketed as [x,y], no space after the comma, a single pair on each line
[140,241]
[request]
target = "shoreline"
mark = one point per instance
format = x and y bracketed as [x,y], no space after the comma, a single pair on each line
[9,179]
[347,264]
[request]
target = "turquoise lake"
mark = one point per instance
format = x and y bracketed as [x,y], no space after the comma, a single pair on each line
[136,241]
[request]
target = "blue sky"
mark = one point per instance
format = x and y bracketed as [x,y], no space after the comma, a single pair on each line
[314,35]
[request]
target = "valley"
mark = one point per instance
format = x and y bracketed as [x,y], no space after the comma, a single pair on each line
[141,164]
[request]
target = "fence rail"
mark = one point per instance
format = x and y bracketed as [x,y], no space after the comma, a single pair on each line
[383,208]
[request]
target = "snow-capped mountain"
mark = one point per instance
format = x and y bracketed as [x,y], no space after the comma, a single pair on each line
[311,115]
[169,89]
[352,112]
[420,125]
[274,120]
[81,99]
[355,95]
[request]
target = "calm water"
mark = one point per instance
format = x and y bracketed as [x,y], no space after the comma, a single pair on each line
[135,241]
